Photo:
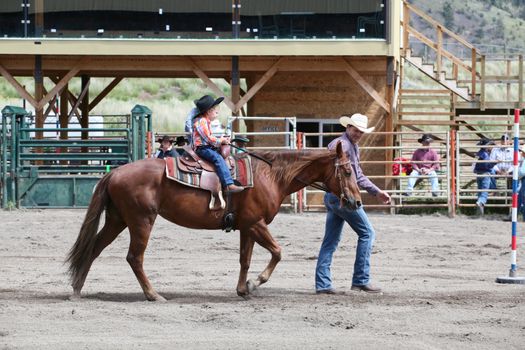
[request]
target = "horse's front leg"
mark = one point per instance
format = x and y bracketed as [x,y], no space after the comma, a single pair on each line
[246,250]
[260,234]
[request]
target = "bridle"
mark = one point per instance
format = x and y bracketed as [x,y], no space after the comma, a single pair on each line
[347,172]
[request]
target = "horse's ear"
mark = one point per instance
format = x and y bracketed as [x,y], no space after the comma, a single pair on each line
[339,149]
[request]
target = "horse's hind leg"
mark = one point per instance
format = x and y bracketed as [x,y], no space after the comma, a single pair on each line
[246,250]
[260,233]
[140,233]
[113,225]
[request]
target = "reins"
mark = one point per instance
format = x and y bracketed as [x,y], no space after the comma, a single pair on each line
[314,185]
[252,154]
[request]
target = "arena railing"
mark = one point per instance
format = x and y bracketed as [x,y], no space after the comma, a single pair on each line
[395,185]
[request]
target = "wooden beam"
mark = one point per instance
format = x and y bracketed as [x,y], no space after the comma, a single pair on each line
[70,98]
[104,92]
[19,88]
[77,103]
[65,79]
[259,84]
[50,107]
[366,86]
[64,119]
[198,72]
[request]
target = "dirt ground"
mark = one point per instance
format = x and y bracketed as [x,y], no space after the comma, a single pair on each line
[437,274]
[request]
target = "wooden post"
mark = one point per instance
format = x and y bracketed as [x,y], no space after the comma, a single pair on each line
[508,77]
[235,90]
[474,59]
[389,138]
[520,80]
[39,93]
[452,186]
[300,193]
[482,85]
[84,110]
[39,18]
[406,24]
[235,78]
[439,52]
[64,118]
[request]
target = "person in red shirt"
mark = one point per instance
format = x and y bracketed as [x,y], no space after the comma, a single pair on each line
[206,145]
[425,162]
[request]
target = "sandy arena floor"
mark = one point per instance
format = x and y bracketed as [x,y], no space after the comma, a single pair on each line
[437,273]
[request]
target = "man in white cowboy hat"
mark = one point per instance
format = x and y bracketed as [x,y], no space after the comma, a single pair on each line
[425,162]
[356,126]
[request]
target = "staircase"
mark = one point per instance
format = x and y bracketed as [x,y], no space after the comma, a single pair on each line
[440,77]
[424,107]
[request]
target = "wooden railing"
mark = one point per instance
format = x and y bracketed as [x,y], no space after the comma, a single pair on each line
[470,67]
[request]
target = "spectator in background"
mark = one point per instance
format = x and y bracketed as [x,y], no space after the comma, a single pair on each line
[188,125]
[425,161]
[241,142]
[180,142]
[521,176]
[483,170]
[503,157]
[165,149]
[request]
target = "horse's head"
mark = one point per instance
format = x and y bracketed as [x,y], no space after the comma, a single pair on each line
[345,184]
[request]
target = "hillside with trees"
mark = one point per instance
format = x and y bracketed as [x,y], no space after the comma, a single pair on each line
[493,26]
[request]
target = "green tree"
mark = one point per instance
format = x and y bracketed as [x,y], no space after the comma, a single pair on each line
[448,15]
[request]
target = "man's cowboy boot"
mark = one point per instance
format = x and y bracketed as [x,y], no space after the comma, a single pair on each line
[367,288]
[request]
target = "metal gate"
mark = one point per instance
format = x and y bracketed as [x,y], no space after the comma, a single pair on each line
[52,172]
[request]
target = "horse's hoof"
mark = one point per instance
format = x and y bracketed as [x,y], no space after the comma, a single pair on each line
[251,286]
[75,297]
[157,297]
[244,294]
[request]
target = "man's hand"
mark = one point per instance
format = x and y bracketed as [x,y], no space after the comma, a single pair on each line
[423,171]
[383,196]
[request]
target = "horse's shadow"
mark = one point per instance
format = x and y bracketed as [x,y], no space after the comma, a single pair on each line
[171,297]
[179,297]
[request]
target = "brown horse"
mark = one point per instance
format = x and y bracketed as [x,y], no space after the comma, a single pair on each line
[134,194]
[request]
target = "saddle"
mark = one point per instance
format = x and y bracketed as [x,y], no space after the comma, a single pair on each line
[191,163]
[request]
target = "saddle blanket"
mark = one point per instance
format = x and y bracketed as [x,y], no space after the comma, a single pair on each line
[241,172]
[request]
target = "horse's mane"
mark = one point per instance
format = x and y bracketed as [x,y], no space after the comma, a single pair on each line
[286,165]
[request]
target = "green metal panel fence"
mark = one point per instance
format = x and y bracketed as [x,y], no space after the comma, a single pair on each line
[61,173]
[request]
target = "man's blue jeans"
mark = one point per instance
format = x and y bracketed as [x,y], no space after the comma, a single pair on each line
[484,183]
[209,154]
[335,219]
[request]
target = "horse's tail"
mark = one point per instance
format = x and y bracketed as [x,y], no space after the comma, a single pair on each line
[80,255]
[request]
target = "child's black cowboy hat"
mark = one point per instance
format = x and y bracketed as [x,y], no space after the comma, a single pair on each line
[206,102]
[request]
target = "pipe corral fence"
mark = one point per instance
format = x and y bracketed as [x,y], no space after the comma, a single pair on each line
[457,181]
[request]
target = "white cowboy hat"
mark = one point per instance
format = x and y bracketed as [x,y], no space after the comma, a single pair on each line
[357,120]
